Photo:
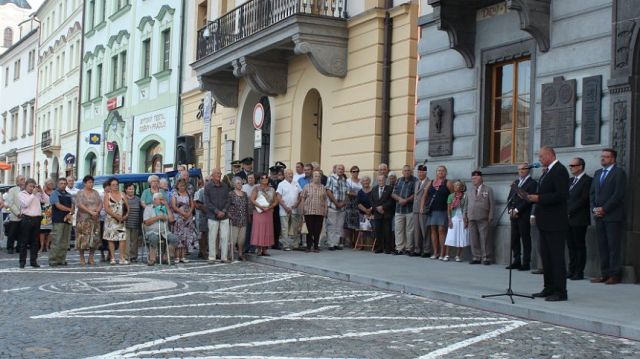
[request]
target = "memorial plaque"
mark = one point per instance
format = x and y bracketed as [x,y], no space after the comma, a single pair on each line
[591,110]
[558,113]
[441,127]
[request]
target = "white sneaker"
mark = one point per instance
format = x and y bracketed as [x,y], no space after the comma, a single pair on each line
[446,258]
[458,259]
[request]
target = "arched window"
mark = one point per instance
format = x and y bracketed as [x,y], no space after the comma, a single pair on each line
[8,37]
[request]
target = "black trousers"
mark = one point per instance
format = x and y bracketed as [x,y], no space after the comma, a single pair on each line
[521,228]
[314,225]
[552,254]
[13,235]
[610,247]
[577,249]
[384,237]
[29,233]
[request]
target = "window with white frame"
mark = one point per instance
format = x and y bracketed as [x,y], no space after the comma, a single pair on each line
[166,49]
[16,70]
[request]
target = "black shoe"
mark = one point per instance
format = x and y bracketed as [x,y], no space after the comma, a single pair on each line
[486,263]
[378,251]
[542,294]
[474,262]
[332,248]
[426,255]
[35,265]
[22,265]
[413,254]
[556,298]
[578,276]
[537,271]
[387,252]
[569,275]
[395,253]
[525,267]
[338,248]
[11,251]
[515,265]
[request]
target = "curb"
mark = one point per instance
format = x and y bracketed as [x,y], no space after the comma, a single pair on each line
[571,321]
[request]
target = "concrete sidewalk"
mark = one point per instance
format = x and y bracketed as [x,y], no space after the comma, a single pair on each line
[599,308]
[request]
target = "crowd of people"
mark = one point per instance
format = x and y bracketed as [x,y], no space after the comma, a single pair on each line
[227,216]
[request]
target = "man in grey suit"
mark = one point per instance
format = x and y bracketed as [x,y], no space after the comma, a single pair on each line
[608,190]
[480,214]
[421,242]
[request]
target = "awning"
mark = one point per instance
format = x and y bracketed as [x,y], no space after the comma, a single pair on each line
[5,166]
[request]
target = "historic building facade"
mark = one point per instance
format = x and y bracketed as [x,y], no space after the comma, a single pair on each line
[12,14]
[17,103]
[331,81]
[58,88]
[499,79]
[131,81]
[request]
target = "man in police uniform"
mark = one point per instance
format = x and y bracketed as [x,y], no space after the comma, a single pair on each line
[247,168]
[235,171]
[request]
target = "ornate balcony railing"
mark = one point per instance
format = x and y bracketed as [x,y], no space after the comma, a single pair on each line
[46,139]
[256,15]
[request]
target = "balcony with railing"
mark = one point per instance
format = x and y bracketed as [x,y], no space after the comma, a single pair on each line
[50,142]
[256,39]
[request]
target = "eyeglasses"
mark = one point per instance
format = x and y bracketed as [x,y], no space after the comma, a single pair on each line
[574,166]
[355,171]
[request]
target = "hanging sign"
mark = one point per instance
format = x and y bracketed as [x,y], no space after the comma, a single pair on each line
[257,139]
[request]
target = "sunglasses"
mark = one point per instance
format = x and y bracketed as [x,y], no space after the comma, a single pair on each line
[355,171]
[574,166]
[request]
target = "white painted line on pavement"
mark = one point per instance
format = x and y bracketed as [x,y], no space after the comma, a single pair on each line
[15,289]
[296,340]
[131,352]
[465,343]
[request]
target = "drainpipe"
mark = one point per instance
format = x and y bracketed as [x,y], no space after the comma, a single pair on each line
[386,83]
[180,75]
[77,164]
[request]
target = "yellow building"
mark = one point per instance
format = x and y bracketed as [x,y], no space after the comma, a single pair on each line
[319,74]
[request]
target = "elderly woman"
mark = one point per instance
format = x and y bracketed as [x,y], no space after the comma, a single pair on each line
[46,225]
[314,209]
[88,220]
[164,185]
[263,198]
[154,187]
[239,218]
[117,209]
[156,219]
[248,189]
[434,204]
[352,216]
[184,227]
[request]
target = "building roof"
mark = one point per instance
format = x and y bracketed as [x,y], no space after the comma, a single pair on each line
[23,4]
[23,39]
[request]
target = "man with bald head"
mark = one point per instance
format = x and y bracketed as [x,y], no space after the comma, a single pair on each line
[216,204]
[553,223]
[288,193]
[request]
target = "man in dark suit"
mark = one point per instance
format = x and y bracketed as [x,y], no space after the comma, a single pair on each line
[520,213]
[553,223]
[579,218]
[608,190]
[383,206]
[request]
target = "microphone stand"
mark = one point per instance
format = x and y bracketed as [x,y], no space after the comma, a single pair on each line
[509,292]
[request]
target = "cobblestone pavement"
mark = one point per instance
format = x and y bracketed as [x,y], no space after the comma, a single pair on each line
[246,310]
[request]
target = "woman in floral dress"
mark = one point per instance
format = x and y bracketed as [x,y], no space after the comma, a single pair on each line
[184,227]
[88,220]
[114,224]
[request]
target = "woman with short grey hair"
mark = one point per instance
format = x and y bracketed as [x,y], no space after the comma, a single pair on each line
[146,198]
[239,218]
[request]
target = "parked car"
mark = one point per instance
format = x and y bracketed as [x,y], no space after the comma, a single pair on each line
[140,179]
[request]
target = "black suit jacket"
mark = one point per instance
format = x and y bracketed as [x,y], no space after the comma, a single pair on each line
[611,194]
[387,203]
[579,213]
[551,209]
[524,207]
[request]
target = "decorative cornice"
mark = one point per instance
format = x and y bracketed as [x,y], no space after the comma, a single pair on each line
[144,21]
[163,12]
[118,38]
[535,18]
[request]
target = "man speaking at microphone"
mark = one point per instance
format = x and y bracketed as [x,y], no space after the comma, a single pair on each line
[553,224]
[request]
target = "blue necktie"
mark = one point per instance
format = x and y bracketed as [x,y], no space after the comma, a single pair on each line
[603,176]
